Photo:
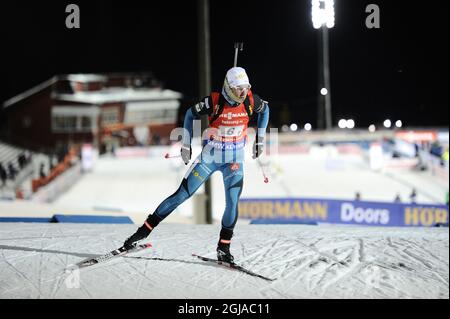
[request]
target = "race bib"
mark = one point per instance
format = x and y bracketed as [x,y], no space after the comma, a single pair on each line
[231,131]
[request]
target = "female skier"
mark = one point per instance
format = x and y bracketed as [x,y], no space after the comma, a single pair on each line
[223,150]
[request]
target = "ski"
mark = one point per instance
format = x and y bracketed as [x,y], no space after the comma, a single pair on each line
[107,257]
[232,266]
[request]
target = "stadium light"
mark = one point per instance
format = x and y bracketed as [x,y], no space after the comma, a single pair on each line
[387,123]
[398,124]
[308,127]
[322,13]
[342,123]
[294,127]
[350,124]
[372,128]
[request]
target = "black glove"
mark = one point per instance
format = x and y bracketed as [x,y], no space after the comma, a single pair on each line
[258,146]
[186,153]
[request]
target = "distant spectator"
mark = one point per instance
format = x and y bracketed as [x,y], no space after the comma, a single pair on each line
[12,171]
[156,139]
[53,161]
[28,157]
[102,148]
[436,149]
[357,196]
[113,149]
[21,160]
[397,198]
[3,174]
[417,149]
[41,171]
[62,153]
[413,196]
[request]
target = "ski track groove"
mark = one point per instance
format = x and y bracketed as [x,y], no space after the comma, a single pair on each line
[348,271]
[440,260]
[21,274]
[41,256]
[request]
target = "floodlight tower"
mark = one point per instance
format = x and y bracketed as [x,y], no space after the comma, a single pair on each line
[322,14]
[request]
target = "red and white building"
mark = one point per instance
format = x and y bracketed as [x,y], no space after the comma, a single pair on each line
[105,110]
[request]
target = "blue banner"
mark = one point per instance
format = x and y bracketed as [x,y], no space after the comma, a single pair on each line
[343,212]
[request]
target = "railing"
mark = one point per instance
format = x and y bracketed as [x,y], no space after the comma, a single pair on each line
[69,160]
[51,191]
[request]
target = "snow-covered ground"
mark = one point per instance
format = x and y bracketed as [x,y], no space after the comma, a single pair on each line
[307,262]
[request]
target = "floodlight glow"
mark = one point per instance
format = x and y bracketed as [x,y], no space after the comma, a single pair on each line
[350,124]
[342,123]
[308,127]
[322,13]
[324,91]
[387,123]
[372,128]
[398,124]
[294,127]
[285,128]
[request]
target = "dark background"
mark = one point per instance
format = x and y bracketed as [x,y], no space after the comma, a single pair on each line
[399,71]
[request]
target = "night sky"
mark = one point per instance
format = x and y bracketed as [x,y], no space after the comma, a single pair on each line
[399,71]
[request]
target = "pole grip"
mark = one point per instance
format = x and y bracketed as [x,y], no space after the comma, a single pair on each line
[238,46]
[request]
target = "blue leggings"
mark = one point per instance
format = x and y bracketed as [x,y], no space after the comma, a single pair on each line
[198,173]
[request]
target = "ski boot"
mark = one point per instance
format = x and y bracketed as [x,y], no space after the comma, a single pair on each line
[223,253]
[152,221]
[140,234]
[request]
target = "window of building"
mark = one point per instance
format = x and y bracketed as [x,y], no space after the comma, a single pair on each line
[67,119]
[63,123]
[110,116]
[163,112]
[86,123]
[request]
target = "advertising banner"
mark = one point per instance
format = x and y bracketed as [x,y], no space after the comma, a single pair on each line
[343,212]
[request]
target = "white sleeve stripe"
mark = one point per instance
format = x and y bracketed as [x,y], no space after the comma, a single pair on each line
[261,107]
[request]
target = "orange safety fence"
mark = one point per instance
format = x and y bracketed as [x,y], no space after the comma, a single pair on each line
[55,172]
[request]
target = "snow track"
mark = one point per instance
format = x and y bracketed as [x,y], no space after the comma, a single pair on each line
[308,262]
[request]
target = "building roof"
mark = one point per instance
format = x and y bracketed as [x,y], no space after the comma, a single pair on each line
[106,95]
[110,95]
[30,92]
[85,78]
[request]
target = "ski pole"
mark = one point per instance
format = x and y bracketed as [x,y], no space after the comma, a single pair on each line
[238,46]
[266,179]
[171,156]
